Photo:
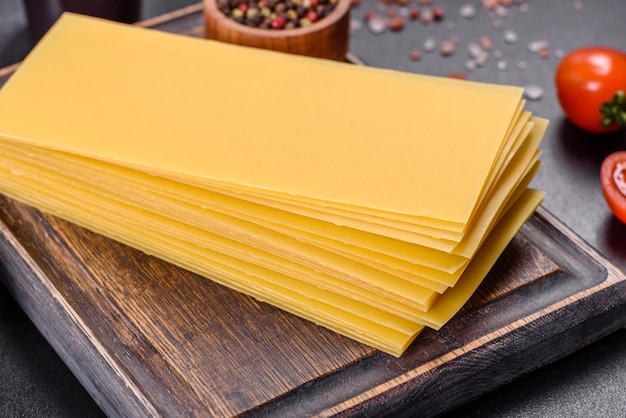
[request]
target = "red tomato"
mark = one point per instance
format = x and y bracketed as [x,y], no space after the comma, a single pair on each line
[613,181]
[590,85]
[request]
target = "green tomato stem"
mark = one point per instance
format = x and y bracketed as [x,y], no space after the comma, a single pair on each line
[614,111]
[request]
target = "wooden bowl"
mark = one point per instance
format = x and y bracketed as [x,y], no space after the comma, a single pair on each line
[327,38]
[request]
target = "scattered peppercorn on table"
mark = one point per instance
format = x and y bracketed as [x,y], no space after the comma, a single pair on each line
[369,201]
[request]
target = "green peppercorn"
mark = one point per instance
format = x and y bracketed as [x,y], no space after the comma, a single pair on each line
[292,14]
[280,8]
[253,11]
[236,14]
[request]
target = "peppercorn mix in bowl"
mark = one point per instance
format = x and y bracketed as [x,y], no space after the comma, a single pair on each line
[315,28]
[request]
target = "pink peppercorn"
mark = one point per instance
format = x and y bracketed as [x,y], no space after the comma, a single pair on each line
[486,43]
[447,48]
[457,76]
[438,13]
[279,22]
[369,15]
[312,16]
[396,23]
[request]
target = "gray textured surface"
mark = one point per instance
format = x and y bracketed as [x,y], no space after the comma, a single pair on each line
[14,38]
[34,382]
[589,383]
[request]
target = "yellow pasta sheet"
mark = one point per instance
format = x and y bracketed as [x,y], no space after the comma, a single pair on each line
[332,257]
[87,206]
[400,226]
[372,202]
[118,88]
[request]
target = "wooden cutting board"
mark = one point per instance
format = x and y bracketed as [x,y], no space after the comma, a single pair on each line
[147,338]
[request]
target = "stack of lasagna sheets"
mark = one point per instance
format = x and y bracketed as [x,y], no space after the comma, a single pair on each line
[370,201]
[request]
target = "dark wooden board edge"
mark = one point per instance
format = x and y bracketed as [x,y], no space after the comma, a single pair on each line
[67,334]
[462,372]
[408,387]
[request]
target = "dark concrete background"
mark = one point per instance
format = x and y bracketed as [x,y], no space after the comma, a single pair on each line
[34,382]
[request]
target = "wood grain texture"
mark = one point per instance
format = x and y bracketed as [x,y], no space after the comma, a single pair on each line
[188,343]
[148,339]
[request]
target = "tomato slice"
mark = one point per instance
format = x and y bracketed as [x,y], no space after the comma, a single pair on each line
[613,181]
